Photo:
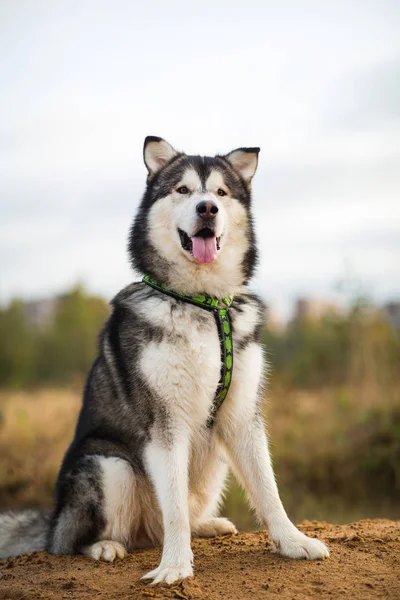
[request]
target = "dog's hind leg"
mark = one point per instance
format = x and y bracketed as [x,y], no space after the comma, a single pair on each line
[96,509]
[106,550]
[206,493]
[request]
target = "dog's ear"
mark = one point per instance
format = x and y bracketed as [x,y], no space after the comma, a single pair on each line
[156,153]
[244,161]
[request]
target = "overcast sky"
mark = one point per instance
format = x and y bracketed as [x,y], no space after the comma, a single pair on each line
[316,84]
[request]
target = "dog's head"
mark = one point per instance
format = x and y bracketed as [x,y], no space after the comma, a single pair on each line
[194,229]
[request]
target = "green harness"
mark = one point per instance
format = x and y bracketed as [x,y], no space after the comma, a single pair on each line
[223,322]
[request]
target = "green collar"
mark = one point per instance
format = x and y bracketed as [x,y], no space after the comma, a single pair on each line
[202,300]
[224,329]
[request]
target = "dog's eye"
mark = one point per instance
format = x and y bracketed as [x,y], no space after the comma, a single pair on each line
[182,190]
[221,192]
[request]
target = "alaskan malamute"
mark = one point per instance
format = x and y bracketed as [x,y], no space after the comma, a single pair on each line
[173,397]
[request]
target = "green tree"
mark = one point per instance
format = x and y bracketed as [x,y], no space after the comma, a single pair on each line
[17,348]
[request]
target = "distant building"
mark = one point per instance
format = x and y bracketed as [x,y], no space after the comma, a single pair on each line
[272,321]
[310,309]
[392,312]
[41,313]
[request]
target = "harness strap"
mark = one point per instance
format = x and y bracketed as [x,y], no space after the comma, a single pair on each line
[224,329]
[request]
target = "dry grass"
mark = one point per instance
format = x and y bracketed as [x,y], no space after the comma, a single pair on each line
[35,430]
[328,445]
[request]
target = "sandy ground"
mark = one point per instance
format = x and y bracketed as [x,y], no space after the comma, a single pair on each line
[364,563]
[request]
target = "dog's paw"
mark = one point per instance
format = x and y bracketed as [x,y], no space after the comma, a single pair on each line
[297,545]
[169,574]
[105,550]
[214,527]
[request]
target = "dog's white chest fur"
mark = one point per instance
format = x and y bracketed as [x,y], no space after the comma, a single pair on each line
[183,369]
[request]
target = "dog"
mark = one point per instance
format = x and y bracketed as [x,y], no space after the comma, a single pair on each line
[173,398]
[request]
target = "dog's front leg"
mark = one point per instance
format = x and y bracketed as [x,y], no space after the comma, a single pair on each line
[248,448]
[167,465]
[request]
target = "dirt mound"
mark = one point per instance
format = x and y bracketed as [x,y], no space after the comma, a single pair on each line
[364,563]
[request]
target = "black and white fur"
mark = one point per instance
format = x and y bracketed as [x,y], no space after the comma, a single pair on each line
[143,467]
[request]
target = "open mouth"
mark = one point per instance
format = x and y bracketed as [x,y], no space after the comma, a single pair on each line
[203,246]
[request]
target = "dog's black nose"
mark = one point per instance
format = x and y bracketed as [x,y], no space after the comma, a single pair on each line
[206,210]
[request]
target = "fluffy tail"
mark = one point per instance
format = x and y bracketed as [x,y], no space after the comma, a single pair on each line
[23,532]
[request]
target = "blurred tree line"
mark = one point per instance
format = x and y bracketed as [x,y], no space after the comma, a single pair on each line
[60,350]
[356,347]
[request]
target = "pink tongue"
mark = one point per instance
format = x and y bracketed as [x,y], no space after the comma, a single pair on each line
[204,249]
